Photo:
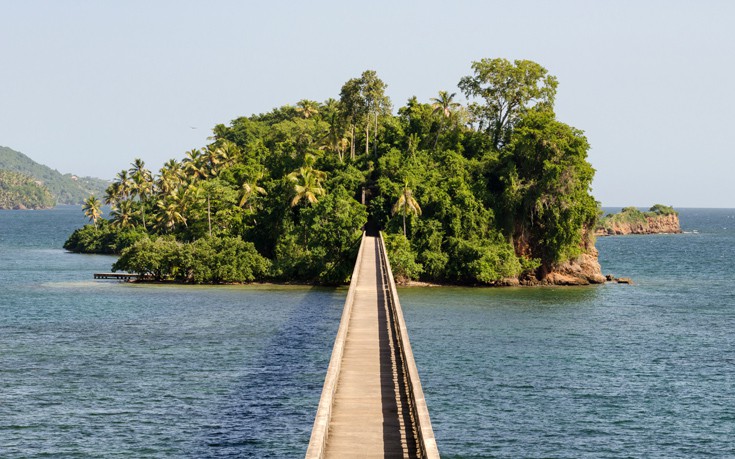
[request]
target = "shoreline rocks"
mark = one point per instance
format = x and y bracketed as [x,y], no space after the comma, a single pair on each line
[619,280]
[584,270]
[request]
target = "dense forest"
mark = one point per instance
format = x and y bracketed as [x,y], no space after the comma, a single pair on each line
[65,188]
[18,191]
[494,189]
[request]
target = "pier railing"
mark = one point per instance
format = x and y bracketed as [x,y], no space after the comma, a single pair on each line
[427,447]
[419,412]
[320,431]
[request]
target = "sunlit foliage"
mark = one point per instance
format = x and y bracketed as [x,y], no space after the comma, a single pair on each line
[476,193]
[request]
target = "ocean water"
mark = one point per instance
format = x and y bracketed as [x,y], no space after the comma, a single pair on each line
[641,371]
[107,369]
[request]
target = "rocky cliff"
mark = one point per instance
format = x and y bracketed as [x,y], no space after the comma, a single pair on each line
[632,221]
[583,270]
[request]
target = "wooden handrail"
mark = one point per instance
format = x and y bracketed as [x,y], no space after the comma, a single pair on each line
[426,442]
[320,431]
[419,410]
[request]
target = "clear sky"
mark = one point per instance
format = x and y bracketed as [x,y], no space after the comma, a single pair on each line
[86,86]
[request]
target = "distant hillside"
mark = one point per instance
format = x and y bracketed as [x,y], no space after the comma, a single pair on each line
[18,191]
[66,188]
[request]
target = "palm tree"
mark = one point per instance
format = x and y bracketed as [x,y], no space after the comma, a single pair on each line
[112,194]
[142,184]
[122,214]
[334,139]
[342,145]
[194,164]
[209,188]
[406,204]
[119,190]
[170,178]
[309,161]
[123,178]
[211,160]
[138,167]
[170,212]
[445,106]
[92,208]
[307,108]
[250,188]
[227,152]
[167,184]
[307,185]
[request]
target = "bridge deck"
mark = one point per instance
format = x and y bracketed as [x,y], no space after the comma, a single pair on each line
[370,413]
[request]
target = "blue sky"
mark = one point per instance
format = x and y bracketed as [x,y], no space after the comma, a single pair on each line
[87,86]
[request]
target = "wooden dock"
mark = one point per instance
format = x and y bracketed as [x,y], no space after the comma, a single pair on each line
[117,276]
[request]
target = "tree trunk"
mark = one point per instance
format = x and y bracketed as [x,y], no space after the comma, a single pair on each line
[375,136]
[404,222]
[367,136]
[142,211]
[352,142]
[209,217]
[436,140]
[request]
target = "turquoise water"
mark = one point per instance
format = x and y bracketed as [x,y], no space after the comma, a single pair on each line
[99,368]
[644,371]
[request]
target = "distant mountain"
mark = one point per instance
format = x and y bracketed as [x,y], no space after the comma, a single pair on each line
[66,188]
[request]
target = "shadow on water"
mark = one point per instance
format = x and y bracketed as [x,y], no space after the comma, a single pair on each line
[502,297]
[270,410]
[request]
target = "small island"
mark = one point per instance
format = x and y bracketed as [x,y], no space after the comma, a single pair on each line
[659,219]
[495,192]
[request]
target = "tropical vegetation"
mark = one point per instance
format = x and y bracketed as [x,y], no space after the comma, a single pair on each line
[18,191]
[497,188]
[64,188]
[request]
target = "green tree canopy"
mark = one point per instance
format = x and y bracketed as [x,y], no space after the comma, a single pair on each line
[92,208]
[506,91]
[501,186]
[546,188]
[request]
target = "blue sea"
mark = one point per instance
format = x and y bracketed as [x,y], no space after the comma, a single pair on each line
[107,369]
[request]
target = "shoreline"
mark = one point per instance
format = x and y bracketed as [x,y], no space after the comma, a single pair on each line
[410,284]
[639,234]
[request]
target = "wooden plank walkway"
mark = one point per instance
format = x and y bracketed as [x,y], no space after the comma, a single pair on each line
[366,406]
[370,417]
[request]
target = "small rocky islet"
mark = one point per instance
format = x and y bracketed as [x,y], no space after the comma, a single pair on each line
[659,219]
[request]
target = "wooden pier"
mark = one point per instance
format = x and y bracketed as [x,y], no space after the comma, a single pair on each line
[117,276]
[372,403]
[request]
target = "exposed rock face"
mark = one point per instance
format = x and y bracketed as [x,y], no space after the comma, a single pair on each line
[584,270]
[657,224]
[664,224]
